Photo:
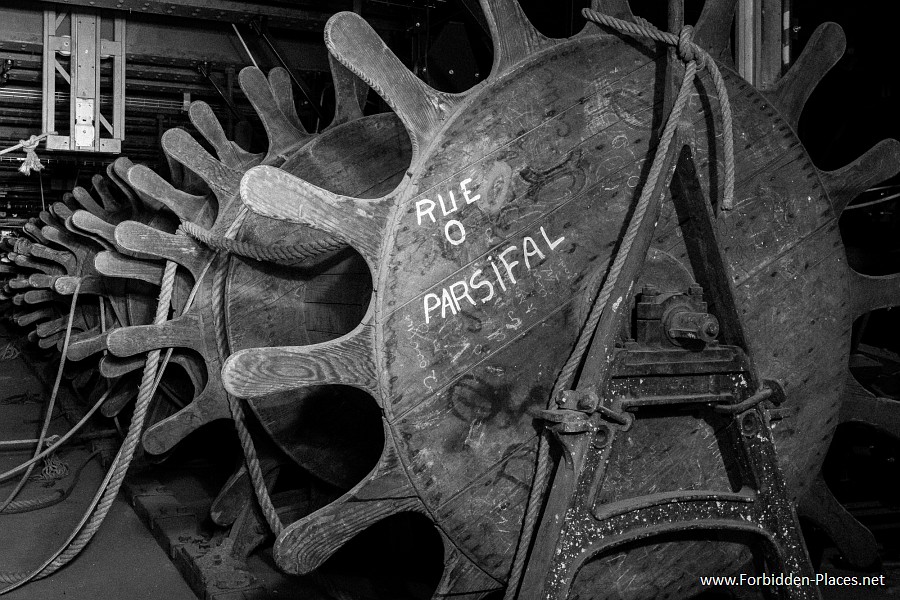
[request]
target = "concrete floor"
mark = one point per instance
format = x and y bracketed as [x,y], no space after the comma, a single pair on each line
[122,561]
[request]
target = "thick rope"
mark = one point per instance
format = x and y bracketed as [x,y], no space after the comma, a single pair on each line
[688,51]
[51,405]
[275,253]
[234,404]
[32,504]
[691,54]
[111,484]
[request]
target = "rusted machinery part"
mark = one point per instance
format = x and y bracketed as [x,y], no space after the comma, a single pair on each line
[516,194]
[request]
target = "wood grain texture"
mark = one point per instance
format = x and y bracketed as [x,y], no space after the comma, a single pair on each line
[273,193]
[356,45]
[308,542]
[283,92]
[188,207]
[137,237]
[515,38]
[83,197]
[113,264]
[284,137]
[179,144]
[349,93]
[346,360]
[163,435]
[179,332]
[206,122]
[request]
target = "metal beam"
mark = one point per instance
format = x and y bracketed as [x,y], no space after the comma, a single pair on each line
[164,43]
[229,11]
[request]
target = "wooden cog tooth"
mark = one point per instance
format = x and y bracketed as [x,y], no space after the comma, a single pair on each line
[713,29]
[50,327]
[60,211]
[101,186]
[514,37]
[165,434]
[179,144]
[854,540]
[41,281]
[38,296]
[111,367]
[206,122]
[87,202]
[790,93]
[349,93]
[862,406]
[82,348]
[20,283]
[274,193]
[420,107]
[137,237]
[34,316]
[113,264]
[35,232]
[880,162]
[306,544]
[180,332]
[188,207]
[90,284]
[118,173]
[50,341]
[121,395]
[43,267]
[283,92]
[871,292]
[65,259]
[284,137]
[97,227]
[346,360]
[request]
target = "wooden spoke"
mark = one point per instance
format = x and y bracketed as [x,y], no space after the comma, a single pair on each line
[514,37]
[306,544]
[137,237]
[65,259]
[38,296]
[185,149]
[87,202]
[349,93]
[421,108]
[713,30]
[188,207]
[34,316]
[273,193]
[284,137]
[113,264]
[84,347]
[205,407]
[879,163]
[112,366]
[824,49]
[870,292]
[853,539]
[95,226]
[180,332]
[206,122]
[35,232]
[282,91]
[346,360]
[41,281]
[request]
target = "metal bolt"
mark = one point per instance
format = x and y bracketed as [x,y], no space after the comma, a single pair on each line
[601,437]
[749,424]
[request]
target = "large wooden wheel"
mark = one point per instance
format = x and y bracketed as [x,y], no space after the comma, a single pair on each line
[516,198]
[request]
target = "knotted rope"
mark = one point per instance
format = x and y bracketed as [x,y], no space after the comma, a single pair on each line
[694,58]
[31,161]
[274,253]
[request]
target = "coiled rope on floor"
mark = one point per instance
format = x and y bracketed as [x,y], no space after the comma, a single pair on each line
[694,58]
[273,253]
